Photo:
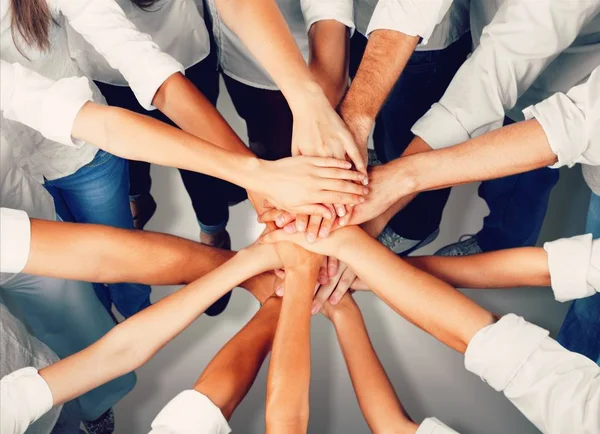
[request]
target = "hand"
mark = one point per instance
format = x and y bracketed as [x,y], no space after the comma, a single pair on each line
[334,290]
[346,304]
[267,253]
[360,127]
[302,184]
[293,256]
[329,246]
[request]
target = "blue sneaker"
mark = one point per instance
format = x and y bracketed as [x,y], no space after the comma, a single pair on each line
[403,246]
[467,245]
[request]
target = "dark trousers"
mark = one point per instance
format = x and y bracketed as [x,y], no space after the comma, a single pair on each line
[422,83]
[518,206]
[268,118]
[209,195]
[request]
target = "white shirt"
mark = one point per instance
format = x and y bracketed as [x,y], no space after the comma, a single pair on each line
[438,22]
[571,122]
[176,26]
[431,425]
[237,62]
[15,240]
[518,52]
[103,24]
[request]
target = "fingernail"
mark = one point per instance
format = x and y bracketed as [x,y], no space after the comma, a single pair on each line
[279,291]
[311,238]
[333,300]
[280,221]
[342,222]
[327,216]
[361,200]
[365,181]
[365,190]
[314,309]
[347,165]
[323,233]
[341,211]
[300,227]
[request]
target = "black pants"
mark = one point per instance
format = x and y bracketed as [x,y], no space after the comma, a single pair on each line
[268,118]
[209,196]
[422,83]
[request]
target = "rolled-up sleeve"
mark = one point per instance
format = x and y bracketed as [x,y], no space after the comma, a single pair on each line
[522,39]
[411,17]
[574,265]
[556,389]
[15,240]
[571,122]
[25,397]
[47,106]
[104,25]
[431,425]
[319,10]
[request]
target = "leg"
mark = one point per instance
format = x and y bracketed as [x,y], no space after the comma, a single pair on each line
[581,330]
[67,316]
[422,83]
[98,193]
[231,373]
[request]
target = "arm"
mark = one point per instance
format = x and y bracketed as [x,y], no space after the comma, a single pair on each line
[378,401]
[289,370]
[318,130]
[133,342]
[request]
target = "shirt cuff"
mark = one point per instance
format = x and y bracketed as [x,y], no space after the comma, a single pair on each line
[439,128]
[497,352]
[60,107]
[573,271]
[15,240]
[188,411]
[564,126]
[341,11]
[431,425]
[25,398]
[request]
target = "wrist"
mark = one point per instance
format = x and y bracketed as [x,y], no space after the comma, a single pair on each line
[403,175]
[303,96]
[252,175]
[344,313]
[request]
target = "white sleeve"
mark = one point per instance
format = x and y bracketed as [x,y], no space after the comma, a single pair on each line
[15,240]
[574,265]
[522,39]
[572,123]
[556,389]
[25,397]
[47,106]
[431,425]
[104,25]
[411,17]
[190,412]
[319,10]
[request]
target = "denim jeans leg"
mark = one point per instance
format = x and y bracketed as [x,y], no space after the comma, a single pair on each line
[99,193]
[580,331]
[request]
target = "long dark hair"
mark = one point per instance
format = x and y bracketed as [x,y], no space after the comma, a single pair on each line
[32,19]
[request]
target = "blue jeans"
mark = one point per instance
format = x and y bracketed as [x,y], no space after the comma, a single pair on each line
[580,331]
[518,206]
[422,83]
[99,193]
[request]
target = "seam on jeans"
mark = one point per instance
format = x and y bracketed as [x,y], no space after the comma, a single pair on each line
[103,160]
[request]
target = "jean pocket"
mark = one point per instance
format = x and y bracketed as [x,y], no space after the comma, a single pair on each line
[101,157]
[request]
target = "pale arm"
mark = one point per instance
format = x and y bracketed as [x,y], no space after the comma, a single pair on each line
[376,396]
[133,342]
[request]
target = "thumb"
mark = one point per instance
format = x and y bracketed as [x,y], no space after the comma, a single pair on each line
[274,237]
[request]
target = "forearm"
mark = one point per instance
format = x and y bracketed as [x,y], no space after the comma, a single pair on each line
[136,137]
[231,373]
[376,397]
[507,151]
[426,301]
[501,269]
[385,57]
[133,342]
[187,107]
[329,58]
[289,370]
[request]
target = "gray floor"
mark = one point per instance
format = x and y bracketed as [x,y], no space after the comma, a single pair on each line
[429,378]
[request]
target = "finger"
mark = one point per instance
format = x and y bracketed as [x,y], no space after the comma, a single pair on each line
[290,228]
[280,274]
[280,290]
[323,277]
[349,175]
[312,231]
[343,221]
[301,223]
[269,216]
[284,219]
[321,210]
[342,287]
[274,237]
[359,285]
[340,210]
[355,155]
[338,198]
[267,204]
[326,227]
[342,186]
[321,297]
[332,266]
[330,162]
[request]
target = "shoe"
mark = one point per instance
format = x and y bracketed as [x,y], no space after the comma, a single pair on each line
[142,210]
[105,424]
[220,305]
[403,246]
[467,245]
[372,158]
